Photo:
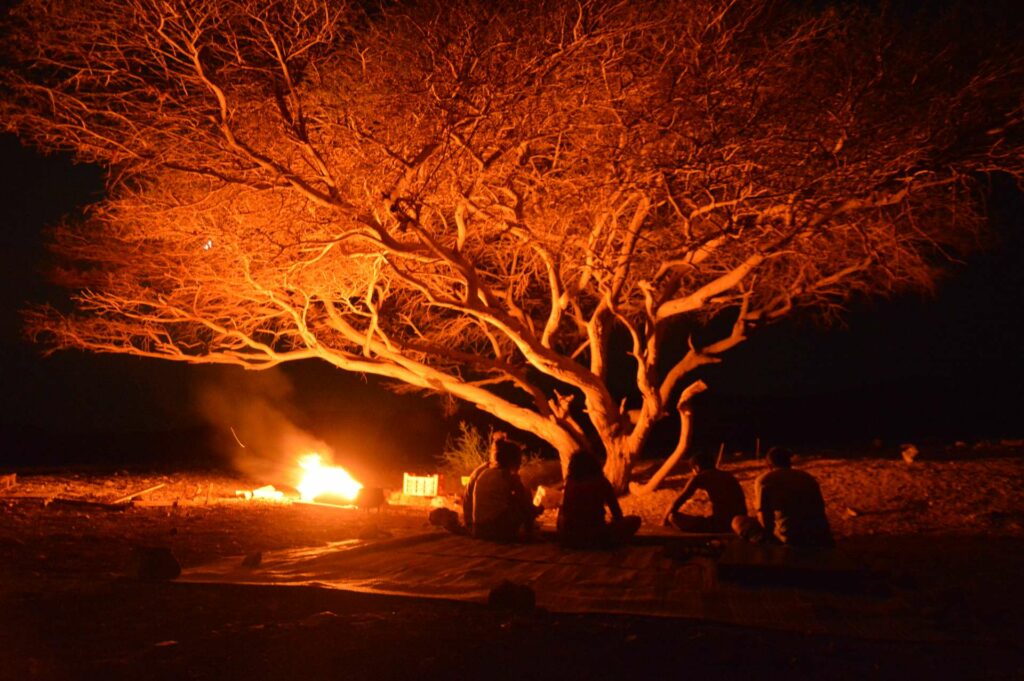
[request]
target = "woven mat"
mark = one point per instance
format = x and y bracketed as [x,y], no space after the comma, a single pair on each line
[635,580]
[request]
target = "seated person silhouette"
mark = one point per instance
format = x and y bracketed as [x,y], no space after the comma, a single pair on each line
[724,492]
[501,509]
[492,462]
[581,519]
[789,505]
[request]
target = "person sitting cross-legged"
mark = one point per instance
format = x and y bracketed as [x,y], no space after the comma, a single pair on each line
[581,519]
[501,507]
[790,508]
[724,492]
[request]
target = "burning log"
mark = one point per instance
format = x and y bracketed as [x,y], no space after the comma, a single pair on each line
[268,493]
[320,480]
[324,504]
[265,493]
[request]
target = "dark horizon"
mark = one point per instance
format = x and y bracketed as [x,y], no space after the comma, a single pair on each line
[912,368]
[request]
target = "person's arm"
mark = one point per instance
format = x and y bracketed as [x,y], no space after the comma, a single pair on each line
[765,511]
[683,497]
[612,501]
[467,497]
[522,498]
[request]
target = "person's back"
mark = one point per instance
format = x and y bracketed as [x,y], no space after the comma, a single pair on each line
[583,505]
[492,495]
[500,504]
[794,500]
[724,492]
[581,519]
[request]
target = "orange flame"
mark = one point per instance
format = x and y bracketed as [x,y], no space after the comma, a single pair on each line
[319,479]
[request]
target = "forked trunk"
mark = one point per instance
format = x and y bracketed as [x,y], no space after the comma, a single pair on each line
[618,466]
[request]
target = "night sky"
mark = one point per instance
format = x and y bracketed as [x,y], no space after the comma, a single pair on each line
[914,368]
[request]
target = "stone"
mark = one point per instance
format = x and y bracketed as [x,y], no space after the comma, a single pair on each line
[253,560]
[513,597]
[153,563]
[443,517]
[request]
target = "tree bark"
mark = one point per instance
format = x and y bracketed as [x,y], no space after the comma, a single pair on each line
[618,464]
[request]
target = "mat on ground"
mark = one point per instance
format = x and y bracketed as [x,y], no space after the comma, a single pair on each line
[635,580]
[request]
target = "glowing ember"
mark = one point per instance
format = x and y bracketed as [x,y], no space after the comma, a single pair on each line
[268,492]
[319,479]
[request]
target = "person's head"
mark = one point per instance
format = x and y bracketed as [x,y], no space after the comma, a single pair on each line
[492,449]
[705,460]
[583,466]
[506,454]
[779,457]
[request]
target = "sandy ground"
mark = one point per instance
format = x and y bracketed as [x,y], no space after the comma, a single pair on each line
[946,532]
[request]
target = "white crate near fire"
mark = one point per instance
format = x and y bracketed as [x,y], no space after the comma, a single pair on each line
[421,485]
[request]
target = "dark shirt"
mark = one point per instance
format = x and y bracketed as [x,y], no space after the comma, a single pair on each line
[724,491]
[792,500]
[583,505]
[498,492]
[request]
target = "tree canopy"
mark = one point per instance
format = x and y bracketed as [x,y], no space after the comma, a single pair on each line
[502,201]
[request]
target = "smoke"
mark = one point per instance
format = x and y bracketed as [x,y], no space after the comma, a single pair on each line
[252,412]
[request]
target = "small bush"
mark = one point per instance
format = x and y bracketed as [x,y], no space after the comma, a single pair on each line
[470,448]
[465,451]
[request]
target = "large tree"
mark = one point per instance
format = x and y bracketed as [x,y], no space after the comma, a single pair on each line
[502,201]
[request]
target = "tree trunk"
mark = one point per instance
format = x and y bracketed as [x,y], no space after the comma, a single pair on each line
[618,465]
[685,416]
[673,459]
[622,451]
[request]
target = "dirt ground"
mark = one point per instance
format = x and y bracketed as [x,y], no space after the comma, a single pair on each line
[945,532]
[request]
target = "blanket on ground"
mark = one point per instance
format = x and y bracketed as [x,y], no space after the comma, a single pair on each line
[636,580]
